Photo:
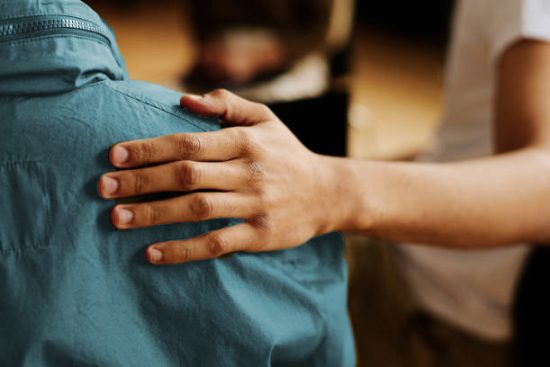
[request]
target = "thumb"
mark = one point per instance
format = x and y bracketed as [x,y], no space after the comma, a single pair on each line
[229,107]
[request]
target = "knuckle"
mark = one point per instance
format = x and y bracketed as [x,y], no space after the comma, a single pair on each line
[145,152]
[217,245]
[235,137]
[189,175]
[222,98]
[188,146]
[262,223]
[239,134]
[139,182]
[151,214]
[201,207]
[255,170]
[183,253]
[220,93]
[246,142]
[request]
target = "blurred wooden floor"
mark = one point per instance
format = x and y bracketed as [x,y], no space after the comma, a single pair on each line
[396,85]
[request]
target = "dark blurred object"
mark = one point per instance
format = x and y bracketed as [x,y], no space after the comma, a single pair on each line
[426,20]
[532,312]
[238,57]
[320,123]
[245,42]
[301,24]
[306,87]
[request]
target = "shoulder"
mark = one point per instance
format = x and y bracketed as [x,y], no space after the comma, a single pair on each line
[90,119]
[68,136]
[53,149]
[506,22]
[158,98]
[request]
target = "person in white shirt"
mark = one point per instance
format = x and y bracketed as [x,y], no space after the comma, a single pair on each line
[473,289]
[486,185]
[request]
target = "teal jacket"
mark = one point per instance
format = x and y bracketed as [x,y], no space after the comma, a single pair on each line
[76,292]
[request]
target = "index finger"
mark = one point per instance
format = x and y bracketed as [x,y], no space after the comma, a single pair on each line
[221,145]
[231,108]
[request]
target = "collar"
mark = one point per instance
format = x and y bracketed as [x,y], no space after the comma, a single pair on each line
[54,46]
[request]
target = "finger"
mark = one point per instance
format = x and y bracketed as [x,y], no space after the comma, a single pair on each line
[219,145]
[228,106]
[188,208]
[181,176]
[240,237]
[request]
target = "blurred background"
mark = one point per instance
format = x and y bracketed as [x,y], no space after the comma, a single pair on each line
[362,78]
[390,62]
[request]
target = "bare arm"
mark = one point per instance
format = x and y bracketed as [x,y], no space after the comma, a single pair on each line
[258,171]
[478,203]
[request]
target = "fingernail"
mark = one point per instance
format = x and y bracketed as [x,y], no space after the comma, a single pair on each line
[125,216]
[120,154]
[109,185]
[154,255]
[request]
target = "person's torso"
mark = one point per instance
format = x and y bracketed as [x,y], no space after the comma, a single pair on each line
[471,289]
[75,291]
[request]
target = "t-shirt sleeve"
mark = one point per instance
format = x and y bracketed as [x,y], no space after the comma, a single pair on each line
[512,20]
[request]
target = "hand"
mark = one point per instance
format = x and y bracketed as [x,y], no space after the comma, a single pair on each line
[257,171]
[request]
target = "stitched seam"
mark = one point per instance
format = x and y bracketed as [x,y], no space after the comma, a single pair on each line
[26,14]
[40,38]
[149,103]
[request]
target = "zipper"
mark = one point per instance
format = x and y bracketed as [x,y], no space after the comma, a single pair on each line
[46,25]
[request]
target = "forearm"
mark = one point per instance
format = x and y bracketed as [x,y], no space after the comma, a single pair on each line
[480,203]
[258,171]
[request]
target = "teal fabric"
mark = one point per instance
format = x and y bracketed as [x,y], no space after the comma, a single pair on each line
[76,292]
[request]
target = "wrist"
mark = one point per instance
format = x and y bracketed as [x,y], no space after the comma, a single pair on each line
[344,197]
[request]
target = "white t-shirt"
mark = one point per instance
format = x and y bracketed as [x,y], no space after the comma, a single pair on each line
[474,290]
